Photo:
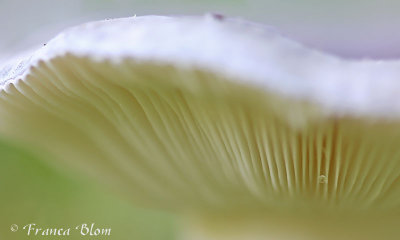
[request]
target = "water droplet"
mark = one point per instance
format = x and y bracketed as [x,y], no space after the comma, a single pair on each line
[322,179]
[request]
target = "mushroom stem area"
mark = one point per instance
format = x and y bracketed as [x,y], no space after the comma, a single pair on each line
[289,227]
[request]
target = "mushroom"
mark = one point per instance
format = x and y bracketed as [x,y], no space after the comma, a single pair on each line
[245,133]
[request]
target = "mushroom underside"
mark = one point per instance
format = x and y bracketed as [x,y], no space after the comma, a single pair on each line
[196,142]
[187,138]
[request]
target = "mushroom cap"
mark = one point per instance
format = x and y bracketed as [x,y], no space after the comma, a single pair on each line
[210,113]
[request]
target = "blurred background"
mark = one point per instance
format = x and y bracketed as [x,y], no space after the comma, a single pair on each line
[350,28]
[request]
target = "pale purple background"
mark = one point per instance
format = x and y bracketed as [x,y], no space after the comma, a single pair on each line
[352,28]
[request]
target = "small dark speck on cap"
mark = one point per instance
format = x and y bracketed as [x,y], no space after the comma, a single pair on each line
[216,16]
